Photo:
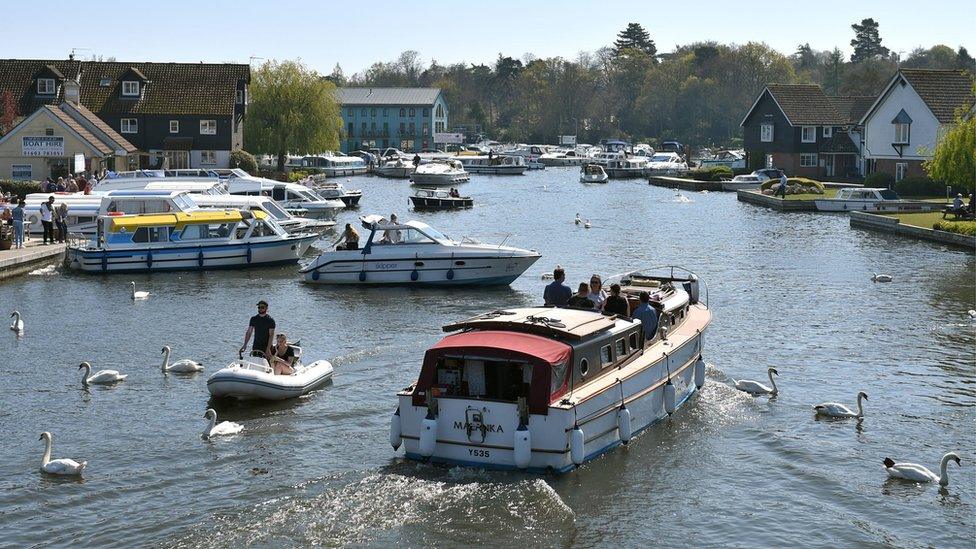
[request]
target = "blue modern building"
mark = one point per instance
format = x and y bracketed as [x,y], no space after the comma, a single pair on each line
[403,118]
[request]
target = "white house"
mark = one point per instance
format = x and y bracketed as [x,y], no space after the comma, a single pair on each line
[901,128]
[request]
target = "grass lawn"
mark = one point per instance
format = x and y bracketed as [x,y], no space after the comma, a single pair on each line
[828,193]
[927,219]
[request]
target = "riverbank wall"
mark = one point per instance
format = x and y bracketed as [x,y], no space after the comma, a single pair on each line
[892,225]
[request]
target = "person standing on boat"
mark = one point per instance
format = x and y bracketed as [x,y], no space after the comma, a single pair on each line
[61,221]
[557,293]
[647,315]
[782,185]
[416,160]
[262,327]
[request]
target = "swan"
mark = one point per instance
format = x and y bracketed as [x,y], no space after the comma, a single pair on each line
[587,225]
[833,409]
[102,377]
[183,366]
[219,429]
[18,325]
[920,473]
[61,466]
[138,295]
[972,313]
[546,276]
[578,219]
[756,388]
[881,278]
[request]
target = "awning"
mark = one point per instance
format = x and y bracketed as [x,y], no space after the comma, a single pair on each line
[178,143]
[545,355]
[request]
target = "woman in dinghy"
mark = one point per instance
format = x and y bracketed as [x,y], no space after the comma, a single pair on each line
[282,356]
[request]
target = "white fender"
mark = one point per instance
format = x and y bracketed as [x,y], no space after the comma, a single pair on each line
[577,444]
[428,436]
[523,447]
[699,372]
[669,397]
[623,424]
[396,435]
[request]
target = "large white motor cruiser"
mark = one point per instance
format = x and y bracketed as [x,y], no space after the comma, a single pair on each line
[417,254]
[872,199]
[252,378]
[494,165]
[593,173]
[547,389]
[394,167]
[331,164]
[440,172]
[627,168]
[291,196]
[291,223]
[665,163]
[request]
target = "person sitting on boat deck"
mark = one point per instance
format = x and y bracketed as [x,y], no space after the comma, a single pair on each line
[262,327]
[416,160]
[616,304]
[782,185]
[597,295]
[647,315]
[350,237]
[581,299]
[455,193]
[391,236]
[491,155]
[282,356]
[557,294]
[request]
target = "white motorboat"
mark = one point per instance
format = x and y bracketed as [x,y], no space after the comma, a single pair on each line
[289,222]
[84,209]
[735,160]
[415,253]
[291,196]
[494,164]
[665,163]
[741,182]
[547,389]
[605,157]
[335,165]
[562,158]
[333,190]
[397,168]
[440,172]
[871,199]
[593,173]
[627,168]
[252,379]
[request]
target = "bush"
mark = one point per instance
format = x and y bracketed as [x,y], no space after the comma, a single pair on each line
[297,175]
[958,227]
[715,173]
[244,160]
[20,188]
[879,179]
[919,186]
[805,185]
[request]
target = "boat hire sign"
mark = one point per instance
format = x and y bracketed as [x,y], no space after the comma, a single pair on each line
[44,146]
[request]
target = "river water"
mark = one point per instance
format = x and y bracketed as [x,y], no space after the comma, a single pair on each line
[791,291]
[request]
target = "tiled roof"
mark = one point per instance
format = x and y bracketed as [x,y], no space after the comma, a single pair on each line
[102,126]
[806,105]
[171,88]
[943,91]
[387,96]
[76,126]
[838,143]
[852,107]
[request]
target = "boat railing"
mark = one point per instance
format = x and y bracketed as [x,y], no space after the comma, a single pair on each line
[673,274]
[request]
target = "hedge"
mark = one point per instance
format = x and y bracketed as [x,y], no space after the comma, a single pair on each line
[244,160]
[19,188]
[958,227]
[715,173]
[919,186]
[879,179]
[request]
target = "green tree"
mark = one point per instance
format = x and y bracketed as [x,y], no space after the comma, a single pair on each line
[867,41]
[292,110]
[954,160]
[634,37]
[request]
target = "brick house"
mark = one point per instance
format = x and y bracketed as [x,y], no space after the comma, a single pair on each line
[191,114]
[803,131]
[903,124]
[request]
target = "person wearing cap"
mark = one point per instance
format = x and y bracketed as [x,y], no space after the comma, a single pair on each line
[647,315]
[557,293]
[262,327]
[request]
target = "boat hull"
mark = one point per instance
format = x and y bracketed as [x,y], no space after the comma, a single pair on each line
[740,186]
[438,179]
[340,172]
[596,415]
[625,173]
[496,170]
[246,384]
[403,172]
[425,203]
[594,179]
[444,268]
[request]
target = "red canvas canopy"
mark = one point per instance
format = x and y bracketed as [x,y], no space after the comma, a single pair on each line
[543,354]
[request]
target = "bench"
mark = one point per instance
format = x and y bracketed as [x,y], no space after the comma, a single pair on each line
[963,213]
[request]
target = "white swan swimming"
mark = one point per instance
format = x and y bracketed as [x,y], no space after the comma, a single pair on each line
[920,473]
[881,278]
[63,466]
[972,313]
[138,295]
[834,409]
[18,324]
[102,377]
[183,366]
[223,428]
[578,219]
[756,388]
[586,224]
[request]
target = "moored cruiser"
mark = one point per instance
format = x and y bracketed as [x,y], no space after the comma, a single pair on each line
[494,165]
[547,389]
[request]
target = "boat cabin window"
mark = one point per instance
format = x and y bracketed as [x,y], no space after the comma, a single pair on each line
[274,210]
[889,194]
[488,379]
[278,193]
[606,356]
[621,348]
[634,341]
[139,206]
[584,367]
[262,229]
[151,234]
[201,231]
[413,236]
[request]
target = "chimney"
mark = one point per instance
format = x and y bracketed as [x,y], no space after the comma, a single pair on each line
[72,91]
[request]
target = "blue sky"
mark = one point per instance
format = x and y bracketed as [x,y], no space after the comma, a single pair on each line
[325,33]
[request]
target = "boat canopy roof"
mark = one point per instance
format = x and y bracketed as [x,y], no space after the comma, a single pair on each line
[373,221]
[179,219]
[548,357]
[570,323]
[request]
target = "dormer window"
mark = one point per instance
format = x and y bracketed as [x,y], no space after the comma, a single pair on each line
[903,128]
[130,88]
[45,86]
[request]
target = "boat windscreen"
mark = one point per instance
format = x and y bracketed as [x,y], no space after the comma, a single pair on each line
[889,194]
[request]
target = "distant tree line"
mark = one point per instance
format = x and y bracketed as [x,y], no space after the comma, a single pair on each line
[697,94]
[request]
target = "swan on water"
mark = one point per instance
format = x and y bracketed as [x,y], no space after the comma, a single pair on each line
[63,466]
[578,219]
[138,295]
[920,473]
[834,409]
[972,313]
[102,377]
[587,225]
[18,324]
[756,388]
[223,428]
[183,366]
[881,278]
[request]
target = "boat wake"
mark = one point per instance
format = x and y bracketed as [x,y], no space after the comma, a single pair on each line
[44,271]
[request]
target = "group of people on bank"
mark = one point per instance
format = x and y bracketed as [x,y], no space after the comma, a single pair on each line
[54,220]
[592,297]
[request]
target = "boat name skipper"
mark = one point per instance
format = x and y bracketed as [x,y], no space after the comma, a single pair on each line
[489,428]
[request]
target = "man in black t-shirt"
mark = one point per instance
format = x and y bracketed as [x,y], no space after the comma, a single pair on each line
[262,327]
[616,304]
